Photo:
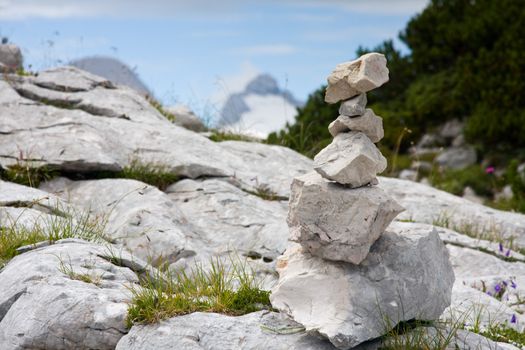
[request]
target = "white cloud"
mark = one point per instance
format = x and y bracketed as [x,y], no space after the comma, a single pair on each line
[22,9]
[376,7]
[259,50]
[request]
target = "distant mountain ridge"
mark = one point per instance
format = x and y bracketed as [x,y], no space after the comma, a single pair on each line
[112,69]
[262,107]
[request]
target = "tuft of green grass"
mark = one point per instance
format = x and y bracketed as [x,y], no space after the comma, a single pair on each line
[219,136]
[158,106]
[231,291]
[24,173]
[153,174]
[471,229]
[67,269]
[50,228]
[263,191]
[418,335]
[506,334]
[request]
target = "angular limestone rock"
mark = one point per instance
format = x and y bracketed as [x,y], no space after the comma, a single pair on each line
[354,106]
[338,223]
[351,159]
[368,123]
[10,58]
[351,78]
[404,277]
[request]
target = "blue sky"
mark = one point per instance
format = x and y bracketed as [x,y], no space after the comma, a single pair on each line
[195,51]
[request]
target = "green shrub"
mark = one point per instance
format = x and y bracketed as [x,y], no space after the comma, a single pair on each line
[455,181]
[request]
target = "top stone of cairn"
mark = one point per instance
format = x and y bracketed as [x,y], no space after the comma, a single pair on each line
[352,78]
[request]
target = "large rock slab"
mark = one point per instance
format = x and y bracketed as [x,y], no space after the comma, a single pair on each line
[232,221]
[139,217]
[425,204]
[404,277]
[338,223]
[369,124]
[43,307]
[208,331]
[354,106]
[351,78]
[77,122]
[351,159]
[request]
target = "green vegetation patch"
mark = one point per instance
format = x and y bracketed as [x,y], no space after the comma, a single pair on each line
[506,334]
[228,290]
[26,174]
[219,136]
[49,228]
[158,106]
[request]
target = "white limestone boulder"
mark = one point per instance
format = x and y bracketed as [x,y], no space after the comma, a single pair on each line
[352,78]
[338,223]
[351,159]
[369,124]
[354,106]
[44,304]
[404,277]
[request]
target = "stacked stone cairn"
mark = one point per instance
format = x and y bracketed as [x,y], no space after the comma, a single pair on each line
[343,277]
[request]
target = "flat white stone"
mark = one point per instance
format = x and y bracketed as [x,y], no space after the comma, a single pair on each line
[351,78]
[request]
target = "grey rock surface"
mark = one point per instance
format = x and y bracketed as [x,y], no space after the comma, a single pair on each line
[425,204]
[232,221]
[457,157]
[352,78]
[140,218]
[186,118]
[208,331]
[354,106]
[10,58]
[78,122]
[403,277]
[338,223]
[351,159]
[369,124]
[480,267]
[43,307]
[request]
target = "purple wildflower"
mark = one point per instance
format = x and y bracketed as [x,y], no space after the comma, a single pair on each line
[505,283]
[513,319]
[513,284]
[489,170]
[507,253]
[489,293]
[497,288]
[501,247]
